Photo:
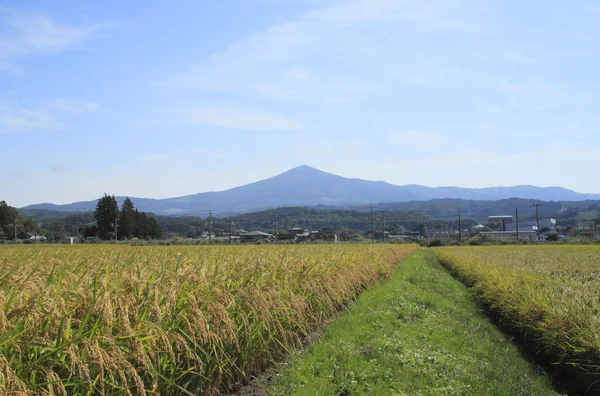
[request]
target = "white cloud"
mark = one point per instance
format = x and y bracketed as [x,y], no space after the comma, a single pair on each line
[235,118]
[73,106]
[36,34]
[534,93]
[13,119]
[346,45]
[45,115]
[428,15]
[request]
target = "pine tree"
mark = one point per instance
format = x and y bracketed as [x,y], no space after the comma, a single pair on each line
[146,227]
[154,229]
[107,211]
[127,220]
[8,215]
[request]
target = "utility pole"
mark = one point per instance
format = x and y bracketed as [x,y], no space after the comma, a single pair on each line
[459,229]
[210,226]
[15,229]
[382,226]
[372,230]
[517,219]
[276,226]
[230,231]
[58,230]
[35,231]
[537,220]
[116,226]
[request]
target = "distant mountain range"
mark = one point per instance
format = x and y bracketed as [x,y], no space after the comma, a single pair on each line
[306,186]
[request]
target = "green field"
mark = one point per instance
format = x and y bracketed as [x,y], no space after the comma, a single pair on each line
[418,334]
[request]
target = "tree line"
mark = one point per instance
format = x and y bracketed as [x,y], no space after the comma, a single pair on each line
[126,223]
[8,217]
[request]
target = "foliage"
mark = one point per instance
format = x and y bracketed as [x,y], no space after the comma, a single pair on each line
[146,226]
[436,242]
[547,293]
[107,212]
[106,319]
[8,216]
[127,219]
[418,334]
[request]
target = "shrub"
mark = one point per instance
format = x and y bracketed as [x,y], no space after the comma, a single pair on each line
[436,242]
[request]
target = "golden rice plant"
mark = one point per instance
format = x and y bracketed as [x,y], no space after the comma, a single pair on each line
[167,320]
[550,294]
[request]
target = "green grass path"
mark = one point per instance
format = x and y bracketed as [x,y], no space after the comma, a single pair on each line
[417,334]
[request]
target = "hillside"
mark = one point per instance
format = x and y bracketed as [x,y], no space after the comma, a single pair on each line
[306,186]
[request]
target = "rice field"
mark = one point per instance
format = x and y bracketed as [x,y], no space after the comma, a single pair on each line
[548,294]
[168,320]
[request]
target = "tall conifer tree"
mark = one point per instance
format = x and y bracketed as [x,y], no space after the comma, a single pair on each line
[107,212]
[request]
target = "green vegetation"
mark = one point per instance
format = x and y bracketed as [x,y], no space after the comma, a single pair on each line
[8,215]
[546,294]
[131,222]
[418,334]
[352,224]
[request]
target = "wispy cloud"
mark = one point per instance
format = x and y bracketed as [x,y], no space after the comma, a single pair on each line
[534,93]
[428,15]
[44,114]
[71,106]
[15,118]
[240,118]
[346,45]
[28,34]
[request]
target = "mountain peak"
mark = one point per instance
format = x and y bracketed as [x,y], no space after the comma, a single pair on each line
[308,186]
[303,171]
[304,168]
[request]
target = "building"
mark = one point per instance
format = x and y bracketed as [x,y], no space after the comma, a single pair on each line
[435,233]
[31,236]
[529,235]
[398,237]
[286,236]
[255,236]
[415,235]
[545,224]
[528,230]
[506,220]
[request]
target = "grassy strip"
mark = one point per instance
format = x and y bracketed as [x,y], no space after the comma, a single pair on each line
[419,333]
[548,295]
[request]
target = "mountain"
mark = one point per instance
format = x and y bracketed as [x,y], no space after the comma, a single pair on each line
[306,186]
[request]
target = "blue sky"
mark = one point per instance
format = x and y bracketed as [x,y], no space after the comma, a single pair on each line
[161,99]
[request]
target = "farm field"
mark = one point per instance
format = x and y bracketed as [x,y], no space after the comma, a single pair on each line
[168,320]
[419,333]
[549,295]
